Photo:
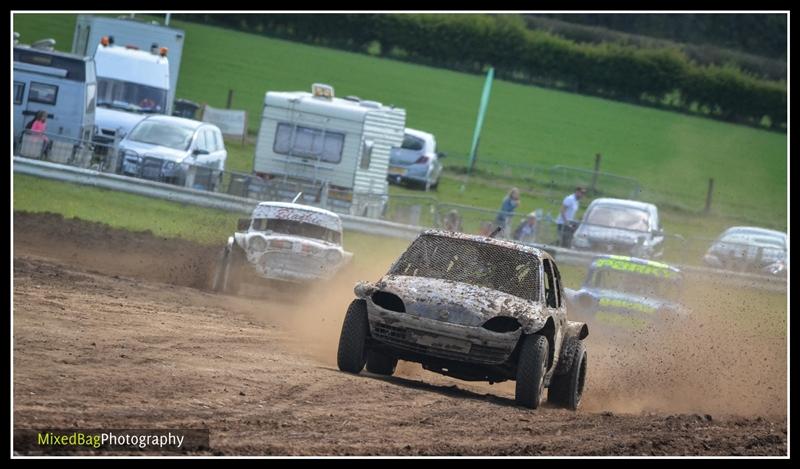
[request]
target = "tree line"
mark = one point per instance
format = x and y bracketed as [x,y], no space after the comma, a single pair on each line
[663,77]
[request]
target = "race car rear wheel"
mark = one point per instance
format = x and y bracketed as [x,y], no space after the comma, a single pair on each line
[566,390]
[531,368]
[351,356]
[381,364]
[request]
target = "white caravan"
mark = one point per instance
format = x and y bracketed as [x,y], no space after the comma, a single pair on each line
[336,151]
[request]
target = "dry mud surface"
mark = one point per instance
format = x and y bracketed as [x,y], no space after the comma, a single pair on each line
[114,329]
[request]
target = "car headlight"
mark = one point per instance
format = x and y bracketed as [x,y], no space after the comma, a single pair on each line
[257,243]
[333,256]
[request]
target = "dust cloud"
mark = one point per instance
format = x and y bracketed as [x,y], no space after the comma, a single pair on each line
[729,356]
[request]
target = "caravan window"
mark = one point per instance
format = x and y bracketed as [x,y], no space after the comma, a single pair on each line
[307,142]
[19,91]
[42,93]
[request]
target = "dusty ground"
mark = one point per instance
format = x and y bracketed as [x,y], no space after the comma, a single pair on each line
[111,331]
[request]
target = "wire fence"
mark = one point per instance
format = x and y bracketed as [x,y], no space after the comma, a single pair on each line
[551,182]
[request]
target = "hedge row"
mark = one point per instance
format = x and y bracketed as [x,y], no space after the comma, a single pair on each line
[472,42]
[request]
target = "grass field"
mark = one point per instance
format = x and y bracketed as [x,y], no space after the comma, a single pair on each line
[666,152]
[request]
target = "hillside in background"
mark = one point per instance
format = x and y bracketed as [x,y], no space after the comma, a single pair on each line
[759,34]
[704,50]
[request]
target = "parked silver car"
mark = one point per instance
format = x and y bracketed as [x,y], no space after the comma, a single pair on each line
[163,148]
[749,248]
[620,226]
[416,161]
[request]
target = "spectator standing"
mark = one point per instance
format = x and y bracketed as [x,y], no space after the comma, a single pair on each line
[38,129]
[510,203]
[565,223]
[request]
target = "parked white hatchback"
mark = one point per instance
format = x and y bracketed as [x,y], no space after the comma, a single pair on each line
[284,242]
[174,150]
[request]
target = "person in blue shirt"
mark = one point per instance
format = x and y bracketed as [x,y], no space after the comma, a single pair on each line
[510,203]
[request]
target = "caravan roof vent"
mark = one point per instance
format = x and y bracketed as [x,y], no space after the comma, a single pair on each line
[355,99]
[319,90]
[44,44]
[371,104]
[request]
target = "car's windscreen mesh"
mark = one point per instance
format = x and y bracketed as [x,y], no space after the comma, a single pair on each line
[486,265]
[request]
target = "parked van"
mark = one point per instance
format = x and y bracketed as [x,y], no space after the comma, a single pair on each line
[61,84]
[131,84]
[89,30]
[328,148]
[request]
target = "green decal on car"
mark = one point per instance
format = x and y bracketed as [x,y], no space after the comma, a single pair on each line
[656,269]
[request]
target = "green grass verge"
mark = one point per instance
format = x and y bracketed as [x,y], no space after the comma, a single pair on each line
[668,153]
[163,218]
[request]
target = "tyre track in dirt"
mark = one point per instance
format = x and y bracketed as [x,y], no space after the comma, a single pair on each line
[103,340]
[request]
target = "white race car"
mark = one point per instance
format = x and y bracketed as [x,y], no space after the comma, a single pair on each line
[285,242]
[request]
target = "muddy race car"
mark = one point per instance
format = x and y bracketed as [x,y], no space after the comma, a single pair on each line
[282,242]
[627,293]
[474,308]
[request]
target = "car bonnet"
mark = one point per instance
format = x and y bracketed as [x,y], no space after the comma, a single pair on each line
[464,303]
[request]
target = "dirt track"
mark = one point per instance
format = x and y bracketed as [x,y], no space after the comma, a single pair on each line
[111,331]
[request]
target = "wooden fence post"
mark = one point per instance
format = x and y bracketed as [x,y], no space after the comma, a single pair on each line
[708,196]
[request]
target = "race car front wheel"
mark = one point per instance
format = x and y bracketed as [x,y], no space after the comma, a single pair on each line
[352,354]
[531,368]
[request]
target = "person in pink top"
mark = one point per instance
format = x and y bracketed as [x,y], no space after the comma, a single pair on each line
[40,122]
[39,128]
